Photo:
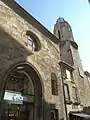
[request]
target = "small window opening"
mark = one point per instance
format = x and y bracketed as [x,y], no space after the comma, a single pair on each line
[59,36]
[75,95]
[54,114]
[54,85]
[66,90]
[33,42]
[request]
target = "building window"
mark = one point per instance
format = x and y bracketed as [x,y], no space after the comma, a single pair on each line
[32,43]
[54,85]
[59,36]
[68,75]
[66,91]
[54,114]
[18,96]
[70,57]
[75,95]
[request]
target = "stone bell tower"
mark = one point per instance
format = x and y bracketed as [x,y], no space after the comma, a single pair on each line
[63,31]
[69,53]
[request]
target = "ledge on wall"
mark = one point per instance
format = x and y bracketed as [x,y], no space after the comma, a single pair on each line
[68,102]
[66,65]
[74,44]
[87,73]
[76,103]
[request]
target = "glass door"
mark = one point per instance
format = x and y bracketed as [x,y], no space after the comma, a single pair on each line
[18,100]
[17,112]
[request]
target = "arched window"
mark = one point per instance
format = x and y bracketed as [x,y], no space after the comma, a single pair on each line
[66,91]
[75,95]
[54,85]
[22,93]
[18,97]
[20,82]
[32,42]
[59,35]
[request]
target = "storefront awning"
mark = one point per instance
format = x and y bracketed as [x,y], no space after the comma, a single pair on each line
[82,115]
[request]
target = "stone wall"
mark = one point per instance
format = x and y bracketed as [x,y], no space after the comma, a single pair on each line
[78,74]
[87,91]
[13,50]
[65,52]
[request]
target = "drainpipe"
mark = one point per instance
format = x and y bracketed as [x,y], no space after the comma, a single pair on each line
[64,92]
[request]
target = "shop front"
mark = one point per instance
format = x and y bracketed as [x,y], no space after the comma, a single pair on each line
[21,97]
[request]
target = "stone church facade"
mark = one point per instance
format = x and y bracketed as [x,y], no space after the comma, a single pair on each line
[41,74]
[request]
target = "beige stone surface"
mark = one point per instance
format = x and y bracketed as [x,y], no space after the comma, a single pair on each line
[13,50]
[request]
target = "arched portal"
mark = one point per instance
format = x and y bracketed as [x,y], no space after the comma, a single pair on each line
[22,95]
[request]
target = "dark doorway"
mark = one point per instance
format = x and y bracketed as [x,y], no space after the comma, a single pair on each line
[22,94]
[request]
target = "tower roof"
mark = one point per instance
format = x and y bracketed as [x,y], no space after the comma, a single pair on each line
[60,20]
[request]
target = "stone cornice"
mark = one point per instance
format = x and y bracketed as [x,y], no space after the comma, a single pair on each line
[66,65]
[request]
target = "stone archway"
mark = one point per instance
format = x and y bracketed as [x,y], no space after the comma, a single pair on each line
[22,94]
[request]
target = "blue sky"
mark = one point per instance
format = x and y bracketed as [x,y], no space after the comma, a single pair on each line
[76,12]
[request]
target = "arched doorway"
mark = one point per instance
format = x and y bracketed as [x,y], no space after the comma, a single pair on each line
[22,94]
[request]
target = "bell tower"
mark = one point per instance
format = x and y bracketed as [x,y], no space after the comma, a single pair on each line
[62,30]
[69,55]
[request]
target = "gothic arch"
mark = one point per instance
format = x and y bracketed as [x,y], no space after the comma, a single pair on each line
[30,71]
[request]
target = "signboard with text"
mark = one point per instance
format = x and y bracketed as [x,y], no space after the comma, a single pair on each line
[13,97]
